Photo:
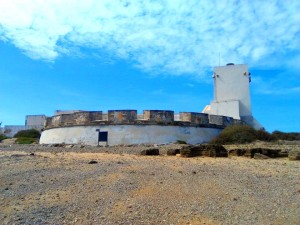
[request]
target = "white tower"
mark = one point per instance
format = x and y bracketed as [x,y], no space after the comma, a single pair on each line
[232,93]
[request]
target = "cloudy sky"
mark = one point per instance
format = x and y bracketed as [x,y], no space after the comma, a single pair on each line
[113,54]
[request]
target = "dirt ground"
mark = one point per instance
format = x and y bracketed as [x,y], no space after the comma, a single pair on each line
[59,186]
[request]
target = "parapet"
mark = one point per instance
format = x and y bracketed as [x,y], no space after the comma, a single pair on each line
[149,117]
[119,116]
[77,118]
[60,112]
[159,116]
[193,117]
[220,120]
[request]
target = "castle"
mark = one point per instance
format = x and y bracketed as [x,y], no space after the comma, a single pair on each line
[231,105]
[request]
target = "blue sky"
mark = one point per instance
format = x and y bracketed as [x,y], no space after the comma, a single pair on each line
[101,55]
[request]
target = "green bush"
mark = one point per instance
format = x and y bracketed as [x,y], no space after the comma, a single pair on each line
[240,134]
[32,133]
[26,140]
[2,137]
[236,134]
[263,135]
[292,136]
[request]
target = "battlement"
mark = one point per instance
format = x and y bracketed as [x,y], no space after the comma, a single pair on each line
[149,117]
[83,117]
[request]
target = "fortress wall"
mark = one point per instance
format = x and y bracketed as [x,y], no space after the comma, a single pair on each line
[96,115]
[83,117]
[118,116]
[86,117]
[129,134]
[237,122]
[220,120]
[159,116]
[55,121]
[48,122]
[153,117]
[227,121]
[214,119]
[197,118]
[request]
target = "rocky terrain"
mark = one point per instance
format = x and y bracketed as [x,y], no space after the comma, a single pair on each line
[116,185]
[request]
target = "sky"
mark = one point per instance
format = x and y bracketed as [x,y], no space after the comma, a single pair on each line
[134,54]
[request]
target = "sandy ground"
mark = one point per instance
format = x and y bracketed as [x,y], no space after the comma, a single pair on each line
[61,187]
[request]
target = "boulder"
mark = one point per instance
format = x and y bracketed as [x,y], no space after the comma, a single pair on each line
[260,156]
[204,150]
[283,154]
[237,152]
[250,152]
[151,151]
[173,151]
[294,154]
[69,146]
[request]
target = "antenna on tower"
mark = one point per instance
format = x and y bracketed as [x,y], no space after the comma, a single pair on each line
[219,58]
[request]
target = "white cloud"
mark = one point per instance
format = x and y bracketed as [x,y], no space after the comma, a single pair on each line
[169,36]
[278,84]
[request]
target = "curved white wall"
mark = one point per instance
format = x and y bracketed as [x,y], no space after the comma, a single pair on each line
[128,134]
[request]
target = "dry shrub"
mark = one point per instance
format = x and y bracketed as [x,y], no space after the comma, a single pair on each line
[239,134]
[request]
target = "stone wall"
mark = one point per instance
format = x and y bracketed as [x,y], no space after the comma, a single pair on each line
[197,118]
[159,116]
[119,116]
[237,122]
[220,120]
[77,118]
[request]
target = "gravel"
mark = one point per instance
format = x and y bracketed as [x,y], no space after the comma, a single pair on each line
[57,185]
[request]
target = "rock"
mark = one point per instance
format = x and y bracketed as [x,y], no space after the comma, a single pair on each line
[57,145]
[17,155]
[69,146]
[204,150]
[283,154]
[31,154]
[250,152]
[93,162]
[237,152]
[173,151]
[260,156]
[151,151]
[294,154]
[272,153]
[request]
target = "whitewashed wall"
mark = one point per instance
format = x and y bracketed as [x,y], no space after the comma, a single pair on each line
[232,83]
[129,134]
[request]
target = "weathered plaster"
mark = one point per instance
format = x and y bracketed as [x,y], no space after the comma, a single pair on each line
[129,134]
